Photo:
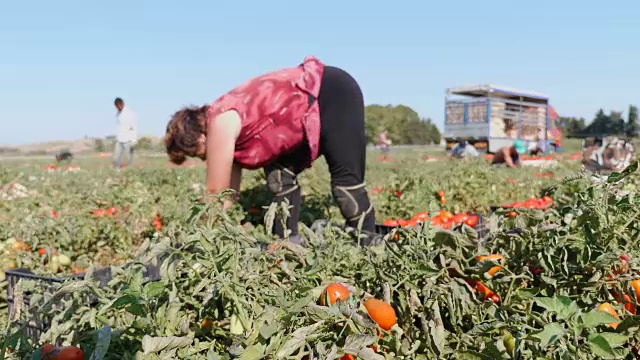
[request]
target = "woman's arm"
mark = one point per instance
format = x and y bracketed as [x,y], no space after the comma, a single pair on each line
[236,179]
[222,173]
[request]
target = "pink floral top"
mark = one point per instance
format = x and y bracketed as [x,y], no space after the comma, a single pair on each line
[276,113]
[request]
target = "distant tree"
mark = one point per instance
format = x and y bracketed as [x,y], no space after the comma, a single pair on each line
[402,123]
[631,127]
[99,145]
[144,143]
[573,125]
[616,123]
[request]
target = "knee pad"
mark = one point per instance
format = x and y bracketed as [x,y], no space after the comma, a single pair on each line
[282,181]
[352,201]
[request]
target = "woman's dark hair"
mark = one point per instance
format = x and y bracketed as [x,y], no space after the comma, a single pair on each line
[184,131]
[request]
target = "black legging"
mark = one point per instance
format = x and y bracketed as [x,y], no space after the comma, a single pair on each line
[342,142]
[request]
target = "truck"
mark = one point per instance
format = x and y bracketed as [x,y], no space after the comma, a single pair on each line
[492,116]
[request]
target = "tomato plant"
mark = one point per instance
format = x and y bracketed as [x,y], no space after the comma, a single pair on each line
[557,276]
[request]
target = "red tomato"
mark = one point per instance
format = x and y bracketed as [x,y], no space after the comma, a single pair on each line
[403,222]
[391,222]
[547,199]
[460,218]
[472,220]
[412,223]
[421,216]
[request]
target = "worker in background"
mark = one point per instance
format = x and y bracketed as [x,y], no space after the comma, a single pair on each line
[126,134]
[64,156]
[510,155]
[556,135]
[463,150]
[540,144]
[596,156]
[383,143]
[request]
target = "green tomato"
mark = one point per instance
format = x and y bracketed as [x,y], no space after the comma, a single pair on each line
[509,343]
[64,260]
[54,264]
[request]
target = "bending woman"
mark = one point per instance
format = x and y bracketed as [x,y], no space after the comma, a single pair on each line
[282,122]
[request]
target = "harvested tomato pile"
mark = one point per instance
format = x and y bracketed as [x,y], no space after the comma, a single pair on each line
[533,203]
[443,219]
[537,157]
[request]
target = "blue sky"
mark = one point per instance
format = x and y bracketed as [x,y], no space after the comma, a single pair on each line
[63,62]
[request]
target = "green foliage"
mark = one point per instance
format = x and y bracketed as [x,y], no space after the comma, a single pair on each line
[228,291]
[99,145]
[605,124]
[145,143]
[402,123]
[632,126]
[573,125]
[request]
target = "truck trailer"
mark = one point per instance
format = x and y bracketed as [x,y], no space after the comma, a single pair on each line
[491,117]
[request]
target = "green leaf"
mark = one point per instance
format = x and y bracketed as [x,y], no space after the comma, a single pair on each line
[617,176]
[614,340]
[492,351]
[253,352]
[595,318]
[369,354]
[320,313]
[297,339]
[267,330]
[354,343]
[123,301]
[37,354]
[601,347]
[473,355]
[102,343]
[550,334]
[437,331]
[563,306]
[136,309]
[154,289]
[157,344]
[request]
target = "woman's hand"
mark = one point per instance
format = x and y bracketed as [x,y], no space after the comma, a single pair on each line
[222,172]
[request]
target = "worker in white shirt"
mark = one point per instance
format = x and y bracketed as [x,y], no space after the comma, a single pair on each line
[463,150]
[126,133]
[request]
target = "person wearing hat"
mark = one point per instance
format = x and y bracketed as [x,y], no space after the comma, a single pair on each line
[510,155]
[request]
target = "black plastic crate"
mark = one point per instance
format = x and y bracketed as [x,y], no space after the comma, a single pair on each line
[47,285]
[482,228]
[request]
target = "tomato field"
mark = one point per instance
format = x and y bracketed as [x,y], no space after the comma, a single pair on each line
[549,268]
